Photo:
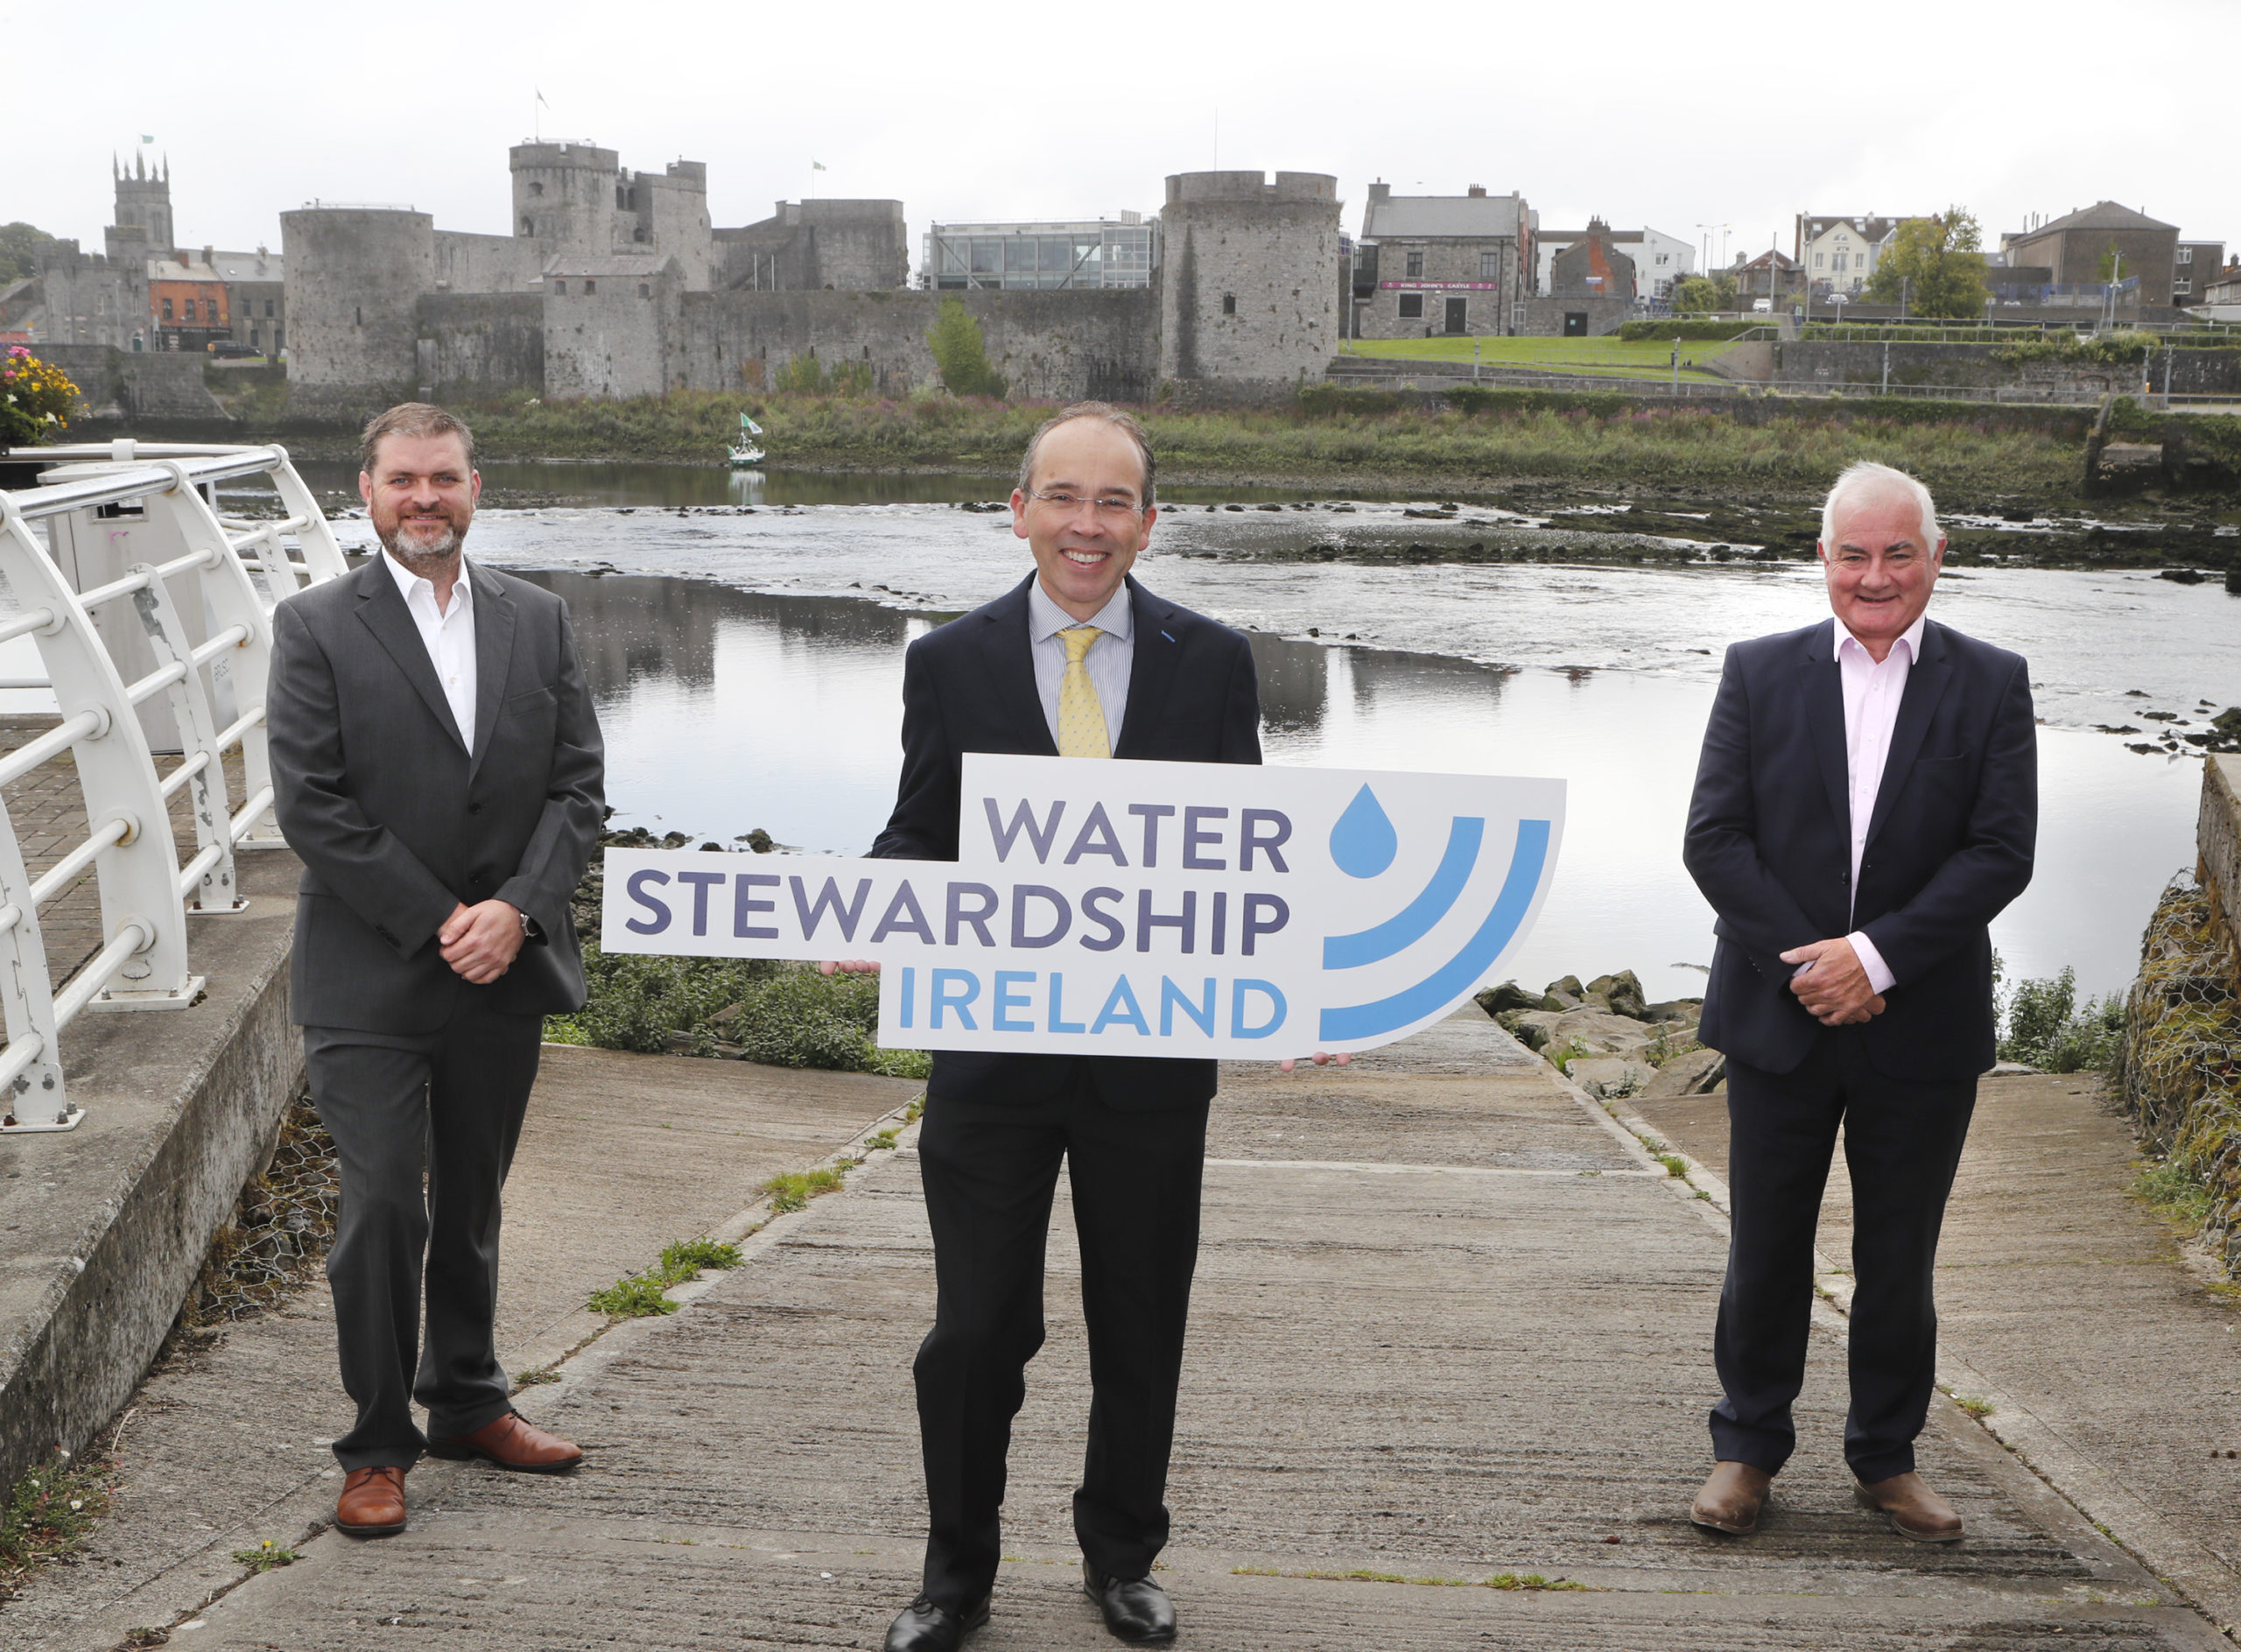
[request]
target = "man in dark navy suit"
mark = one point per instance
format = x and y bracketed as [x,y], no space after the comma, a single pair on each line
[1077,660]
[1865,806]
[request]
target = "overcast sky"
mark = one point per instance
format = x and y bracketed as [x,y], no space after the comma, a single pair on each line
[1009,110]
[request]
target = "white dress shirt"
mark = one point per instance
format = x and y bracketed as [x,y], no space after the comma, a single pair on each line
[448,636]
[1871,695]
[1109,660]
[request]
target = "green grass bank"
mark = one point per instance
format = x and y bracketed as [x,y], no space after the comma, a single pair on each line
[1466,441]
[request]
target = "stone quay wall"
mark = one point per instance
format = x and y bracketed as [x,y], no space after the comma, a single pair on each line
[1817,361]
[145,384]
[2178,1075]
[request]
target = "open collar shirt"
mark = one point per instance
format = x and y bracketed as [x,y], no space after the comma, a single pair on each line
[449,635]
[1872,692]
[1110,659]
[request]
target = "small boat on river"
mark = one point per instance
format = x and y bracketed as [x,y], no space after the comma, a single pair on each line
[744,450]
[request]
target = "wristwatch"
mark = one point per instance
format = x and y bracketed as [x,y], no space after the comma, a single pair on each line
[529,930]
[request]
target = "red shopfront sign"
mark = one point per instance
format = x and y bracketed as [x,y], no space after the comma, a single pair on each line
[1440,287]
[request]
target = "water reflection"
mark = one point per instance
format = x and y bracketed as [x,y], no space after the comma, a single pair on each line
[726,710]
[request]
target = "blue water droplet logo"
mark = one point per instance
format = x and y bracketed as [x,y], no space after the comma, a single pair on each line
[1364,843]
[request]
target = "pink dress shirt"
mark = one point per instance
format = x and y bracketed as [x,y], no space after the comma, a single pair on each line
[1872,696]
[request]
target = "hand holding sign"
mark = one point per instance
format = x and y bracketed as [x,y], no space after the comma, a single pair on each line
[1185,910]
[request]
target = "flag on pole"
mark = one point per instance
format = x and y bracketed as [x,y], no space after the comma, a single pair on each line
[816,165]
[146,138]
[540,97]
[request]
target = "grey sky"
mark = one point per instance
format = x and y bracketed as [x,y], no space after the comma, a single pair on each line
[1009,110]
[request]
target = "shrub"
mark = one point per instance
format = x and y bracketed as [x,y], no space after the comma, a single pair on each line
[961,355]
[2048,1029]
[36,399]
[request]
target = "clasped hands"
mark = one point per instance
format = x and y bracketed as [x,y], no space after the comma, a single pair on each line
[481,942]
[1833,985]
[869,967]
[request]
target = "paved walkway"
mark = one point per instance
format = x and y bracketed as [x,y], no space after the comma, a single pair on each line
[1451,1324]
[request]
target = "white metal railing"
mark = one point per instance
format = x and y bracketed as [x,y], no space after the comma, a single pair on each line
[92,592]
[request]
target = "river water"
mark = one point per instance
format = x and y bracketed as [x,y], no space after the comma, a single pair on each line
[745,635]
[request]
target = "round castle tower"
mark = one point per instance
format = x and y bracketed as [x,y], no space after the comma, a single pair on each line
[354,279]
[1248,284]
[565,195]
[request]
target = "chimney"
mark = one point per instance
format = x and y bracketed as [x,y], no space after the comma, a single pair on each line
[209,257]
[1380,192]
[1477,191]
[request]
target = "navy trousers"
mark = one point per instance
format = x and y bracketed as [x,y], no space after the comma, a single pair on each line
[1902,1144]
[990,1169]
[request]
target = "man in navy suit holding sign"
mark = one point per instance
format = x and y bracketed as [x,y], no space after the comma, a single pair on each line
[1867,805]
[1077,660]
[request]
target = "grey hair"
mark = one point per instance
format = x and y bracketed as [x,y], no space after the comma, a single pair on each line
[1111,415]
[1867,476]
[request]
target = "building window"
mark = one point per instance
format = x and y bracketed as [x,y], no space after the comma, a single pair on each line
[560,287]
[277,341]
[529,226]
[535,188]
[167,309]
[2182,284]
[2186,254]
[1489,266]
[1840,261]
[1412,307]
[1229,304]
[1416,257]
[645,289]
[268,309]
[590,285]
[1820,260]
[252,338]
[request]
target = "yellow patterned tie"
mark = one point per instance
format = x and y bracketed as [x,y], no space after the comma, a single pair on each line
[1081,716]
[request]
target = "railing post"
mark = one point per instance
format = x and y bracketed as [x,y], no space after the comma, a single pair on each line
[323,558]
[36,1099]
[138,874]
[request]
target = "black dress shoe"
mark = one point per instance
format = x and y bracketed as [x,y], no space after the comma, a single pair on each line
[924,1627]
[1136,1609]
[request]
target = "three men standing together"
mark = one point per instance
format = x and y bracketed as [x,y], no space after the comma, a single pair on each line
[1865,806]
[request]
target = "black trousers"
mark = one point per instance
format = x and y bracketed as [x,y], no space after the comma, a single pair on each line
[1902,1144]
[990,1169]
[449,1103]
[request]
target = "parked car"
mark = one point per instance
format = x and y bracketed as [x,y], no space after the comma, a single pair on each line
[1762,307]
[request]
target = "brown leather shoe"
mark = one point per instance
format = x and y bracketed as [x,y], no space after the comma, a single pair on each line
[372,1504]
[1731,1498]
[1913,1510]
[512,1441]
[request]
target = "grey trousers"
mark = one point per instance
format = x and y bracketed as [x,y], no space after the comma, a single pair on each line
[448,1104]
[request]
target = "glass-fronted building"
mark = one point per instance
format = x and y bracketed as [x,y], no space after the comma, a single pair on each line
[1108,253]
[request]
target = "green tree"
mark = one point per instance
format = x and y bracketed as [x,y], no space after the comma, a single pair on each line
[961,357]
[19,245]
[1938,263]
[2111,261]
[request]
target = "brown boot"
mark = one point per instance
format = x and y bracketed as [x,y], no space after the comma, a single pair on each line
[1731,1498]
[511,1441]
[1913,1510]
[372,1504]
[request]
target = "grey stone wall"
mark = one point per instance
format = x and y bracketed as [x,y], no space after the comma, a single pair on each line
[850,246]
[486,264]
[624,339]
[1450,268]
[473,343]
[92,299]
[1245,294]
[354,277]
[1544,318]
[1810,362]
[135,384]
[1057,346]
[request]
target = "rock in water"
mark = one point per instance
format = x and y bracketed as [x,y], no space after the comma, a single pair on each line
[1623,993]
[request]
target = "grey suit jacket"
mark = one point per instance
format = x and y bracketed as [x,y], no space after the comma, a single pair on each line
[397,821]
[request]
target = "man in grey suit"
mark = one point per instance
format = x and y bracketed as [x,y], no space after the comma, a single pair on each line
[438,766]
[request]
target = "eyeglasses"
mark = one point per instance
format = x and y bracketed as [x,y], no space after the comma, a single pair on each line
[1107,509]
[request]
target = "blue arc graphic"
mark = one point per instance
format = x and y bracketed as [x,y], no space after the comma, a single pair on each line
[1413,922]
[1452,978]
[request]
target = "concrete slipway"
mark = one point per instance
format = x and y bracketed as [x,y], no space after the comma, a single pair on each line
[1453,1321]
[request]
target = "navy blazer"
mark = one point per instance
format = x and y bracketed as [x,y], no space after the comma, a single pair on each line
[969,685]
[1769,843]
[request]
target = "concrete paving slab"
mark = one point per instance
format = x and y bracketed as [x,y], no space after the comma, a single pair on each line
[1426,1373]
[2107,1349]
[225,1443]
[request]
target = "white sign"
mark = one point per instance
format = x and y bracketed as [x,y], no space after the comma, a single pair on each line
[1149,909]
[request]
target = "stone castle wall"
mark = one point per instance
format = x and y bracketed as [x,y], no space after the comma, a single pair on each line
[1246,292]
[477,343]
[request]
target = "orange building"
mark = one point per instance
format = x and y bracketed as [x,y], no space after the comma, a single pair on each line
[186,301]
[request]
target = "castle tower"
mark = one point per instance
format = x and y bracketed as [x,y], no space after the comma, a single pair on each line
[354,279]
[144,201]
[565,196]
[1249,293]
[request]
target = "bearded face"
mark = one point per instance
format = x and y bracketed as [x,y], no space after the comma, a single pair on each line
[420,498]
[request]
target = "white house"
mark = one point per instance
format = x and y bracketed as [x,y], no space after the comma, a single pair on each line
[1837,255]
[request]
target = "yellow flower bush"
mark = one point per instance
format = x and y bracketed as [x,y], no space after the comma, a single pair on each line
[37,398]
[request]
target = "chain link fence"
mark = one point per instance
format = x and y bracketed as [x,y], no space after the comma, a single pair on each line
[2178,1064]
